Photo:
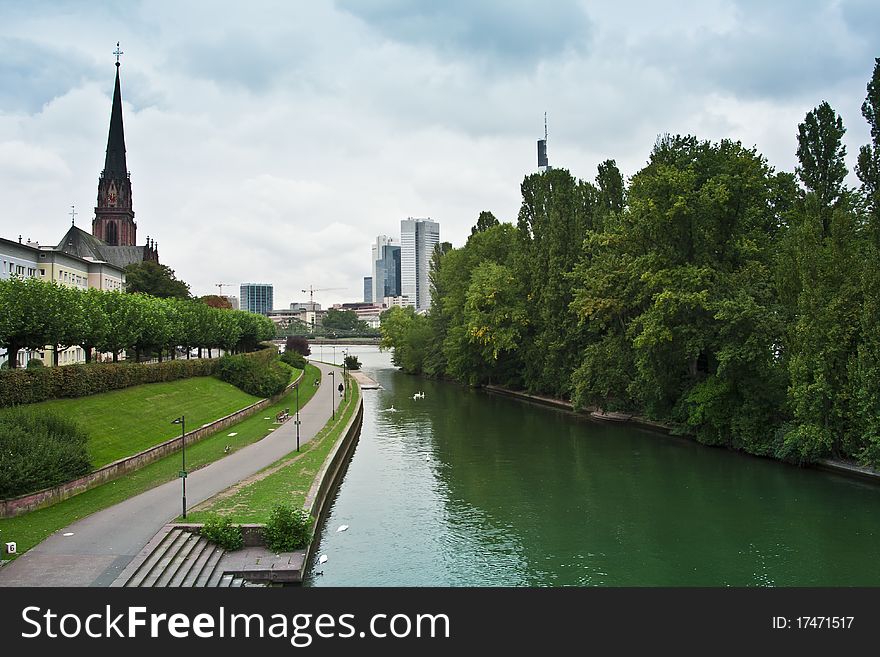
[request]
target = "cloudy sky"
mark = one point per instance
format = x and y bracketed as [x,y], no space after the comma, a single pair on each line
[272,141]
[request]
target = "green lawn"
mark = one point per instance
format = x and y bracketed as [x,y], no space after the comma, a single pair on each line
[31,528]
[128,421]
[287,481]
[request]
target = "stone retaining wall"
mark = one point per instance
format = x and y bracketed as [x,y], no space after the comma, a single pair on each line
[18,505]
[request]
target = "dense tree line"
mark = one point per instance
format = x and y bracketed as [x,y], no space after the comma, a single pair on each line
[37,313]
[738,303]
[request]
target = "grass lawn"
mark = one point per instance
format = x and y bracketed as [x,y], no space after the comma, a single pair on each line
[125,422]
[287,481]
[32,528]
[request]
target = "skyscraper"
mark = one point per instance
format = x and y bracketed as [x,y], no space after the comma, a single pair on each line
[386,268]
[418,237]
[257,297]
[368,289]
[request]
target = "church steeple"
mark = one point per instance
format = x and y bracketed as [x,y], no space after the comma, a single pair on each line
[114,164]
[114,217]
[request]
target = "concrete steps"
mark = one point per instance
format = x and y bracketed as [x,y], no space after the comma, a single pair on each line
[181,558]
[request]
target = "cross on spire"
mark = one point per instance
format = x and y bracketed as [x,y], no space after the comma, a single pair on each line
[117,52]
[72,216]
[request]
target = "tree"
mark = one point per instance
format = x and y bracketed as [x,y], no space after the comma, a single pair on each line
[216,301]
[675,294]
[495,316]
[298,344]
[556,213]
[484,222]
[123,312]
[157,280]
[343,320]
[95,321]
[611,186]
[408,335]
[22,321]
[63,315]
[868,165]
[820,155]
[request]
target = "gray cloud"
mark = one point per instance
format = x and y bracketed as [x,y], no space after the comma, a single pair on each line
[773,50]
[515,32]
[32,73]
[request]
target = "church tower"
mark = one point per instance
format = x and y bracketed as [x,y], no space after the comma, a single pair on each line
[114,217]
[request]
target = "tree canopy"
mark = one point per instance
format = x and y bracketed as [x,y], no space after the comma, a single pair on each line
[157,280]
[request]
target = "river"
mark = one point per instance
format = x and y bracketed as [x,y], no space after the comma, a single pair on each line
[467,488]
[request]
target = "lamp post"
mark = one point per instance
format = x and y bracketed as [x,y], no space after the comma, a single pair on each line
[344,376]
[296,421]
[333,393]
[182,474]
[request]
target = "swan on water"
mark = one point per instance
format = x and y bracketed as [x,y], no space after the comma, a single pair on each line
[322,558]
[342,528]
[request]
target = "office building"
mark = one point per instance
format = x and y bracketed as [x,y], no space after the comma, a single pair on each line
[257,298]
[386,268]
[418,237]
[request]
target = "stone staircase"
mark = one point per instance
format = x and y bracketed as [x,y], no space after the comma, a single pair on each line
[180,558]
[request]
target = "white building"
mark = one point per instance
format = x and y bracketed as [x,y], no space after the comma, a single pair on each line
[418,237]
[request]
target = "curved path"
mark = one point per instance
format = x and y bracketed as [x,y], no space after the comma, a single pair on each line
[102,544]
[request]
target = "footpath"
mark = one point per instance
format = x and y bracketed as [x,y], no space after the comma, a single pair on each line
[94,551]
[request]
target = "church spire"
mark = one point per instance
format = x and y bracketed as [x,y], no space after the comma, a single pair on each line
[114,164]
[114,216]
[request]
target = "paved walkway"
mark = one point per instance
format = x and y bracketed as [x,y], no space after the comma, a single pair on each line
[364,380]
[102,544]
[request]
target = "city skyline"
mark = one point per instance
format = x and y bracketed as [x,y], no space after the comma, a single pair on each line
[269,151]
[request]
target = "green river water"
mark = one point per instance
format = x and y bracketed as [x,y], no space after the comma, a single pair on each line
[468,488]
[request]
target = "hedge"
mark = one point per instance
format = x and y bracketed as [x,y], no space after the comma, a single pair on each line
[38,451]
[28,386]
[255,374]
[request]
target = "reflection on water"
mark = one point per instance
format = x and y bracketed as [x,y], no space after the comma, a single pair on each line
[465,488]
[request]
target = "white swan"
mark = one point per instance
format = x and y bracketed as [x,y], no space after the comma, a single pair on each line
[342,528]
[322,558]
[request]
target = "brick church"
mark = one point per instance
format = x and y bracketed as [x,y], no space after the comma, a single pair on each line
[114,231]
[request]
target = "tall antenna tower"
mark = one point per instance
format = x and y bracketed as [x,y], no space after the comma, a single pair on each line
[543,163]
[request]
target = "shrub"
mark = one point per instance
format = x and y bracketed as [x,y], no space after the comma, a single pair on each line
[298,344]
[294,359]
[34,363]
[287,529]
[352,363]
[255,375]
[38,451]
[28,386]
[220,531]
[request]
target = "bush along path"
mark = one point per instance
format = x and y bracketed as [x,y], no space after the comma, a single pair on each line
[98,546]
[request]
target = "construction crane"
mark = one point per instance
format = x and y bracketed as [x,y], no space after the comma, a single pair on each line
[312,291]
[222,285]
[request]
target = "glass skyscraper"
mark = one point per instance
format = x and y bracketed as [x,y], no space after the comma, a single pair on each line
[257,298]
[418,237]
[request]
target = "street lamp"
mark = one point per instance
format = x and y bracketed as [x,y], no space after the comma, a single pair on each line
[182,474]
[296,421]
[333,393]
[344,376]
